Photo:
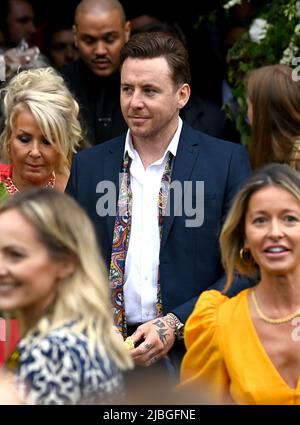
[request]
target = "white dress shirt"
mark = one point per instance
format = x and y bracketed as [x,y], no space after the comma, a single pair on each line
[142,260]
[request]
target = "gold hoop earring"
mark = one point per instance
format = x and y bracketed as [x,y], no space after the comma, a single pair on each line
[246,257]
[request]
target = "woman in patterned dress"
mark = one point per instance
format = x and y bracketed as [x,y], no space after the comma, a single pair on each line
[52,274]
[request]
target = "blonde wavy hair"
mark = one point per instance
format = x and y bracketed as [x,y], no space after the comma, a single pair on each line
[43,92]
[232,238]
[67,233]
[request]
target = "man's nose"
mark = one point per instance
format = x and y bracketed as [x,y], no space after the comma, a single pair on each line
[100,48]
[31,28]
[136,100]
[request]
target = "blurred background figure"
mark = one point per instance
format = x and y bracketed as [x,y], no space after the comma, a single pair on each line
[17,23]
[101,30]
[59,44]
[147,23]
[22,57]
[273,99]
[245,349]
[68,352]
[139,22]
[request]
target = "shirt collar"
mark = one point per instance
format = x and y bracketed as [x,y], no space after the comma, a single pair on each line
[173,145]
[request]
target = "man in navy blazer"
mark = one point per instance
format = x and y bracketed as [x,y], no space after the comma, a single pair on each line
[183,260]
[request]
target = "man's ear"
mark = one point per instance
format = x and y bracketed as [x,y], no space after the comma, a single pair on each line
[127,30]
[75,35]
[183,94]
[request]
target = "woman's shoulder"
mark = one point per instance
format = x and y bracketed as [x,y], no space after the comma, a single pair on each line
[5,174]
[59,343]
[212,301]
[62,359]
[5,171]
[213,309]
[213,313]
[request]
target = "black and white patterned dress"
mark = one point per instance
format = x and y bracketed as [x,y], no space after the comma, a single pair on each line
[59,369]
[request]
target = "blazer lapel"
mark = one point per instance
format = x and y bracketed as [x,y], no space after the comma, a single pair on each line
[186,157]
[112,170]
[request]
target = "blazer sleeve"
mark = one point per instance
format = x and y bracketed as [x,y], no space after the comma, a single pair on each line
[203,368]
[238,172]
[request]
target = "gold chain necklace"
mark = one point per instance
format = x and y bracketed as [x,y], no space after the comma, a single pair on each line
[12,188]
[273,321]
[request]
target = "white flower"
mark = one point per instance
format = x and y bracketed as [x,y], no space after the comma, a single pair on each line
[289,53]
[292,50]
[231,3]
[298,8]
[258,30]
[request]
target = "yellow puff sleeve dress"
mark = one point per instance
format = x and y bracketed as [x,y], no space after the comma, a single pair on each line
[225,359]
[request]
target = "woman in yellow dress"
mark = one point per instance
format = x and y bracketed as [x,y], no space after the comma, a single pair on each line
[246,349]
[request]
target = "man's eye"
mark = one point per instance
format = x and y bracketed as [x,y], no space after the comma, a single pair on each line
[150,91]
[59,46]
[126,89]
[24,20]
[111,39]
[88,40]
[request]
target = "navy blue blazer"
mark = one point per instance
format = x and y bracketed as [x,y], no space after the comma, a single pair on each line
[189,256]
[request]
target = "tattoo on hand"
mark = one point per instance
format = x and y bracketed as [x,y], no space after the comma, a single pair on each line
[148,346]
[162,333]
[159,323]
[170,322]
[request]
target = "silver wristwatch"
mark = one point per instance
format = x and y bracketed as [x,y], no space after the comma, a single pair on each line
[179,326]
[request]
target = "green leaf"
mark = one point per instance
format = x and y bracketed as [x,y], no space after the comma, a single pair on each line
[3,192]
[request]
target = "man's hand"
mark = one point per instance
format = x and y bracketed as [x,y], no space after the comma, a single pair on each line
[155,339]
